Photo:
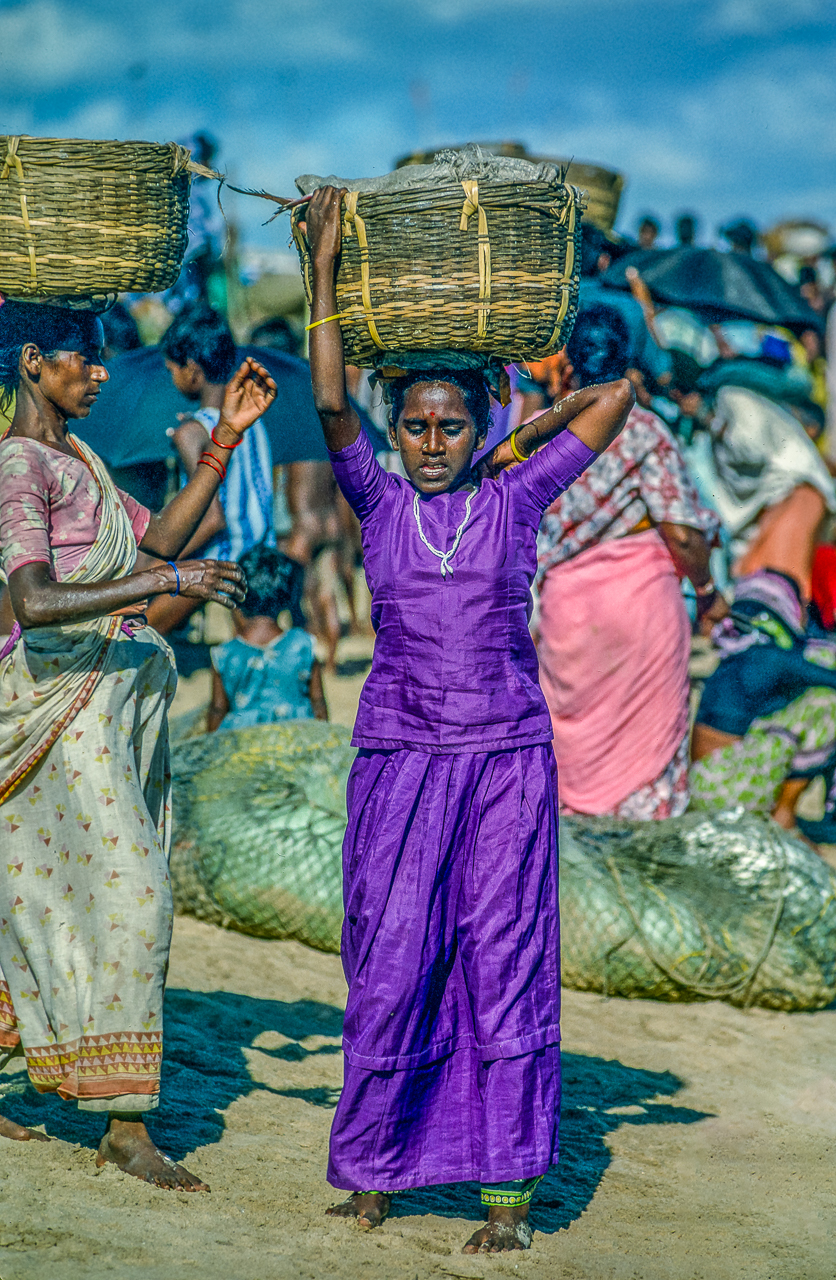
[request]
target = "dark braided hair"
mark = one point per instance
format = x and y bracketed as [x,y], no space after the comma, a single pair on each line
[471,384]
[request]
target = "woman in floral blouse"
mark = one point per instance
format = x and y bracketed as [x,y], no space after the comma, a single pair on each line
[614,634]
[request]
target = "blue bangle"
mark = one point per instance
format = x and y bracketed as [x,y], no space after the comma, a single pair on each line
[177,575]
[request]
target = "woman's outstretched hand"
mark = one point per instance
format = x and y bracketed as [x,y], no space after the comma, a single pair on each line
[218,580]
[323,223]
[249,394]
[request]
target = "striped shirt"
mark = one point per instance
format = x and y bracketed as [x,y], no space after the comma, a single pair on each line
[246,495]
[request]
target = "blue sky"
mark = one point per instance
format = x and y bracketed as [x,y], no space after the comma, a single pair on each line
[726,107]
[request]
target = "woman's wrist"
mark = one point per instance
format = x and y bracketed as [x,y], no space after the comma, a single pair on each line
[223,436]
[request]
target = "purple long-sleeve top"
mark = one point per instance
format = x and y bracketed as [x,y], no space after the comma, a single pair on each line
[454,667]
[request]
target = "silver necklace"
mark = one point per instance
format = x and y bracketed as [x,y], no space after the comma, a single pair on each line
[444,556]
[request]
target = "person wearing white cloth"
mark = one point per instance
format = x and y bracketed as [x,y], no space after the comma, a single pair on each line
[772,488]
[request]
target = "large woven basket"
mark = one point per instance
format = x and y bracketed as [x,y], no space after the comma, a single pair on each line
[602,187]
[81,218]
[484,267]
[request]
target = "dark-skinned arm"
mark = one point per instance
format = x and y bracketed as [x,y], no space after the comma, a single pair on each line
[340,422]
[316,693]
[219,706]
[690,554]
[596,415]
[190,440]
[248,395]
[39,601]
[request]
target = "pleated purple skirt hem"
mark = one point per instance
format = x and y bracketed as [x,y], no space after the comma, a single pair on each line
[451,952]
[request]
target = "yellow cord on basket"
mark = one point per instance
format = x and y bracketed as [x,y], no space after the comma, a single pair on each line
[338,316]
[512,441]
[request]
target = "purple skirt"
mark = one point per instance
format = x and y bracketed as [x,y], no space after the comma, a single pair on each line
[451,951]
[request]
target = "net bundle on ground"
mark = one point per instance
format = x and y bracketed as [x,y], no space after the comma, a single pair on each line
[724,907]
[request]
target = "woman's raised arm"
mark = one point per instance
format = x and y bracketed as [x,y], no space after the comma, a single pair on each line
[340,422]
[248,395]
[595,414]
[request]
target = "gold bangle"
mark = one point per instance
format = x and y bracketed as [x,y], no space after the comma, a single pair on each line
[325,321]
[512,441]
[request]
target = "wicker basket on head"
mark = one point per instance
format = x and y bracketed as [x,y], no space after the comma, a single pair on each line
[488,267]
[601,187]
[81,218]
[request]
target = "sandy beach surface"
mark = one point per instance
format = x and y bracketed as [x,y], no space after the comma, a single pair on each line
[697,1142]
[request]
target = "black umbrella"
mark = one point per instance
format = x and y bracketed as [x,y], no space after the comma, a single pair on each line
[718,286]
[129,421]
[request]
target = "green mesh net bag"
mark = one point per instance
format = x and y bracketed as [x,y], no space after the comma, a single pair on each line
[724,907]
[259,823]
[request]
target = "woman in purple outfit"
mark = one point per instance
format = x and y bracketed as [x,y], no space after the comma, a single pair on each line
[450,943]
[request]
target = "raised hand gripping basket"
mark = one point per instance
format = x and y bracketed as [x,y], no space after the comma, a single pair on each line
[81,218]
[480,266]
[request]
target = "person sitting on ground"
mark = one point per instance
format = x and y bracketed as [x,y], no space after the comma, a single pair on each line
[766,722]
[265,673]
[200,355]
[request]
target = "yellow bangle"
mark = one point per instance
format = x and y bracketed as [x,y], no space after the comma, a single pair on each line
[325,321]
[512,441]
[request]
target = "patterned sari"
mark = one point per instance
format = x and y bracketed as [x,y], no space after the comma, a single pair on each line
[85,899]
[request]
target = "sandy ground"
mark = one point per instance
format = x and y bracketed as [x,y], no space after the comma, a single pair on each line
[697,1140]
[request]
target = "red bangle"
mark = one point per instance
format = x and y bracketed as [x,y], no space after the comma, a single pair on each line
[209,460]
[230,447]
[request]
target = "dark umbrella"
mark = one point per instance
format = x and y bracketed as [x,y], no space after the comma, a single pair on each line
[718,286]
[136,406]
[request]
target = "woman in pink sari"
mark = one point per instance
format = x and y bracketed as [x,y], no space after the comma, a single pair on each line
[85,898]
[614,634]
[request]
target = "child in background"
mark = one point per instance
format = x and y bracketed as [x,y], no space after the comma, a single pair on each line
[265,674]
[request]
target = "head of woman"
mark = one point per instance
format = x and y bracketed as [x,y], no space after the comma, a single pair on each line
[50,356]
[599,347]
[438,420]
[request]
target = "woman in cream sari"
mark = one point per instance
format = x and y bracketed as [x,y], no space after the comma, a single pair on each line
[85,900]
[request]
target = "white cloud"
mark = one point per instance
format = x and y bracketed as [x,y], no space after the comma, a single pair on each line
[50,44]
[41,44]
[764,17]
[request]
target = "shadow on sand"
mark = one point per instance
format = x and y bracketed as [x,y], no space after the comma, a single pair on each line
[205,1071]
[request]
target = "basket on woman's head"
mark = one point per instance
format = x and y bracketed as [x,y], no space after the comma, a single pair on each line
[471,253]
[85,219]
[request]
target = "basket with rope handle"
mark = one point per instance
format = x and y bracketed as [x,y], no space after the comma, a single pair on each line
[80,218]
[488,267]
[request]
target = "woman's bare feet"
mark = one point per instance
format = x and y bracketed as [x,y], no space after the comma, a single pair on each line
[369,1209]
[507,1229]
[129,1146]
[8,1129]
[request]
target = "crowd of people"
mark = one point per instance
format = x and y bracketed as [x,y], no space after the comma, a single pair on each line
[537,574]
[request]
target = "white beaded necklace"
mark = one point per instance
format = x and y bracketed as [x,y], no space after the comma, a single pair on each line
[444,556]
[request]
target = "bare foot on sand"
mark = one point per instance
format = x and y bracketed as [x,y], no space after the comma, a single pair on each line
[507,1229]
[129,1146]
[8,1129]
[369,1209]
